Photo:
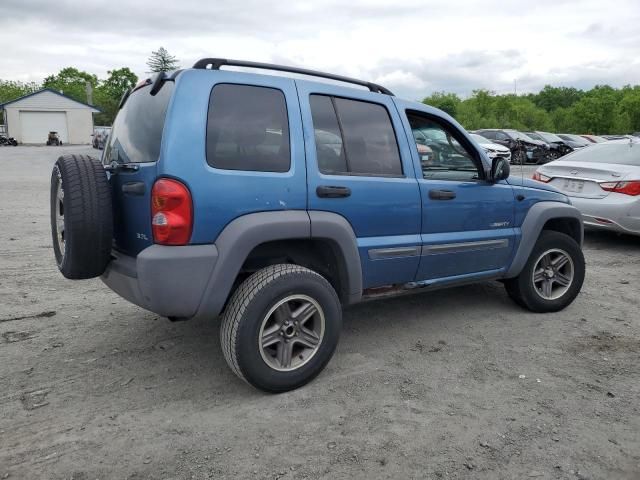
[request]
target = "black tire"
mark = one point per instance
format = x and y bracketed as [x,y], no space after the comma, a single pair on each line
[83,250]
[522,288]
[250,304]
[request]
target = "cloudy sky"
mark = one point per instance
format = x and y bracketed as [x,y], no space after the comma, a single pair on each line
[412,47]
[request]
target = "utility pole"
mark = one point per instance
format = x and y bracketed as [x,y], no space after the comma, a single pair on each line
[515,86]
[89,90]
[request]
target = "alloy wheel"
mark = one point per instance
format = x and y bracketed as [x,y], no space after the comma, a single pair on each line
[291,332]
[553,274]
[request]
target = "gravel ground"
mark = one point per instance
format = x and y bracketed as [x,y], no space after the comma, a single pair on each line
[458,383]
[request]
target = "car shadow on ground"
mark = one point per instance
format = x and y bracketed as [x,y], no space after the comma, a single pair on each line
[616,242]
[185,359]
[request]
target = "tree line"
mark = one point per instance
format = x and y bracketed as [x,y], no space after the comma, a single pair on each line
[102,93]
[600,110]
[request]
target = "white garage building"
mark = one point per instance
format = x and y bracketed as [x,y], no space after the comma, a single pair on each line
[29,119]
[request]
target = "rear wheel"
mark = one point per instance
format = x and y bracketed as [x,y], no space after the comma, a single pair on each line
[552,277]
[281,327]
[81,219]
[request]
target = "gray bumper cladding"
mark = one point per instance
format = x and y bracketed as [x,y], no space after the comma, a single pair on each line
[169,281]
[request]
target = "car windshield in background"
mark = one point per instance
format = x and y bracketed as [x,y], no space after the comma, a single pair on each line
[535,136]
[549,137]
[480,139]
[520,135]
[624,153]
[574,138]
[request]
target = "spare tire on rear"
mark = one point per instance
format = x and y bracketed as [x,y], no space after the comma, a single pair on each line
[81,219]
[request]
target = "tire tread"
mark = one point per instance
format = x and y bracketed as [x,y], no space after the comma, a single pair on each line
[240,301]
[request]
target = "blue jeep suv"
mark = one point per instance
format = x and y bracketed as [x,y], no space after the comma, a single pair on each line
[274,201]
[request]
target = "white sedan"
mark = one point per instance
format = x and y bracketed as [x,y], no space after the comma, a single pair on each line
[492,149]
[603,182]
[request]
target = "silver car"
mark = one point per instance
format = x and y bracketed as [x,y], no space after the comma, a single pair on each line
[603,182]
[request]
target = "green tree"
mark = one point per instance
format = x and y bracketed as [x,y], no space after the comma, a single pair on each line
[162,61]
[119,81]
[628,111]
[551,98]
[447,102]
[109,92]
[72,82]
[596,110]
[10,90]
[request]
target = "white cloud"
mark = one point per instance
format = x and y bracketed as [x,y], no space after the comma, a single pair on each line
[412,47]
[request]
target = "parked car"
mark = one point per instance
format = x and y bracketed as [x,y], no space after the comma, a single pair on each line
[594,138]
[212,198]
[492,150]
[574,141]
[616,137]
[524,149]
[557,146]
[603,182]
[100,136]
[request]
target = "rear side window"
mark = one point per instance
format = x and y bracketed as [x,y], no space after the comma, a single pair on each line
[248,129]
[354,137]
[137,131]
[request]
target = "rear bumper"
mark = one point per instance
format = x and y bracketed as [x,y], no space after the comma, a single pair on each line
[169,281]
[616,212]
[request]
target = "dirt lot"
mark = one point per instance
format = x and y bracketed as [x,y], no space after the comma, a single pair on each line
[451,384]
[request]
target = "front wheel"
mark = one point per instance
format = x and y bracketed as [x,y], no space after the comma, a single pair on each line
[552,277]
[519,157]
[281,327]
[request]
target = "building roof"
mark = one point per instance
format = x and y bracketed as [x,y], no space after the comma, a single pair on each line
[94,108]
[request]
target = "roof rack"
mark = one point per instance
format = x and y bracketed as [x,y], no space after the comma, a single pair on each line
[216,63]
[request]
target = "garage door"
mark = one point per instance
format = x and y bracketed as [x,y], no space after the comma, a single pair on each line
[35,126]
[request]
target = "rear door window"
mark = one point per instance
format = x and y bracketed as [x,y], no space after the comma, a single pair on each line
[248,129]
[354,137]
[137,131]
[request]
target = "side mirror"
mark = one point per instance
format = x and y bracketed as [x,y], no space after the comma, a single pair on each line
[500,169]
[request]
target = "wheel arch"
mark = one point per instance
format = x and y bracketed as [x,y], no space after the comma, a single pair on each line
[317,240]
[554,216]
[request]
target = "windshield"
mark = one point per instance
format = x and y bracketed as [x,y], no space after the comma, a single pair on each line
[574,138]
[624,153]
[480,139]
[424,135]
[520,135]
[549,137]
[535,136]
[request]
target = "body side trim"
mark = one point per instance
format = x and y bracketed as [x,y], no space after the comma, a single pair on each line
[393,252]
[464,246]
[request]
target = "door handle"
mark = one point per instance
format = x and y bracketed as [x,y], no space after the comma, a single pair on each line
[330,191]
[442,194]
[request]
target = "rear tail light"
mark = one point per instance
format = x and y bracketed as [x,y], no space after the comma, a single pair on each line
[171,212]
[631,187]
[540,177]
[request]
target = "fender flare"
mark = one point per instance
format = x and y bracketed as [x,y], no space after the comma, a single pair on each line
[243,234]
[537,216]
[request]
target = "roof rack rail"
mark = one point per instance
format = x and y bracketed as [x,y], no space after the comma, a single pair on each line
[216,63]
